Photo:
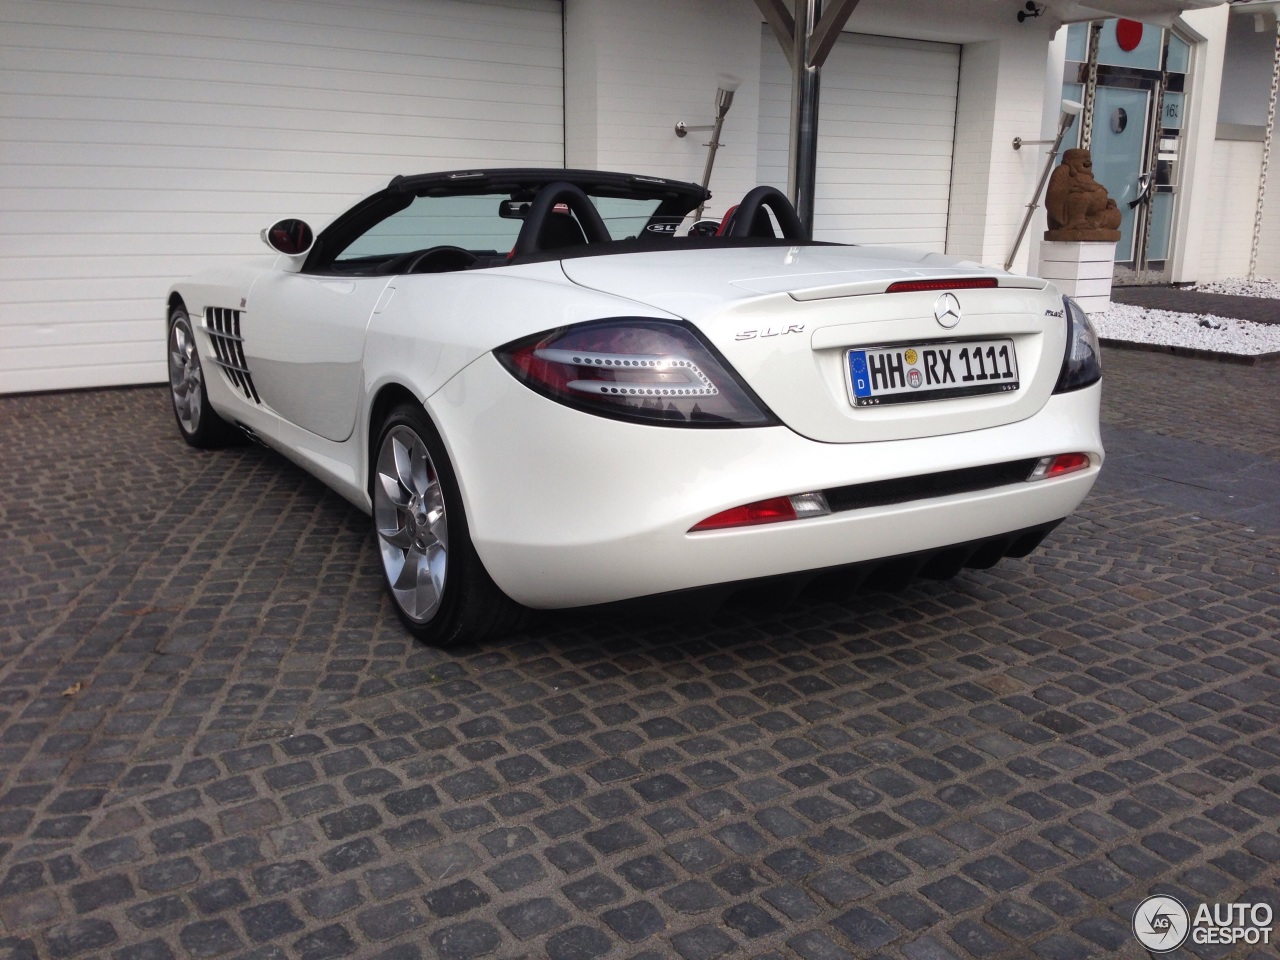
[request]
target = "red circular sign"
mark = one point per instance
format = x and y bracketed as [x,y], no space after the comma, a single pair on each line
[1128,35]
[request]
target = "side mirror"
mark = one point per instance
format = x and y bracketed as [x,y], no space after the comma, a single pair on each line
[290,237]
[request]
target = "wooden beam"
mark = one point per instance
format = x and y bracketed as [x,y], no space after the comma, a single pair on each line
[783,23]
[827,32]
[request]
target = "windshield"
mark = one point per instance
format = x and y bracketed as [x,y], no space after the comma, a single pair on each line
[484,224]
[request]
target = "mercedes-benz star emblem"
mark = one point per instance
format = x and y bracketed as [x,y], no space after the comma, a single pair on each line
[946,309]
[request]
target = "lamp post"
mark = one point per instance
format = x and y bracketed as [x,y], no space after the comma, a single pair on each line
[726,85]
[1070,110]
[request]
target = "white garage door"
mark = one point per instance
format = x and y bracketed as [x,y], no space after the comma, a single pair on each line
[885,133]
[145,139]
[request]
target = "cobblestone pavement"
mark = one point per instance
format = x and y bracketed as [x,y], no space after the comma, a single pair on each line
[216,741]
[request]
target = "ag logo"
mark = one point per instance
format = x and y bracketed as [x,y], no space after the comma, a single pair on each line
[1161,923]
[946,310]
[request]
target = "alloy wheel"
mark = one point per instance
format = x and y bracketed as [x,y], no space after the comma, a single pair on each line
[185,376]
[413,531]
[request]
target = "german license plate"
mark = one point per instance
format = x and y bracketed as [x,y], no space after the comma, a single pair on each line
[911,373]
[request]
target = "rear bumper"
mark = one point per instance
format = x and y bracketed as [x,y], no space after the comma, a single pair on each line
[569,509]
[777,592]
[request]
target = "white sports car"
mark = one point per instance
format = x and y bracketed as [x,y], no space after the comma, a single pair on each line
[549,393]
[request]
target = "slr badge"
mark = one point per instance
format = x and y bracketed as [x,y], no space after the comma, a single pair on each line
[946,310]
[769,332]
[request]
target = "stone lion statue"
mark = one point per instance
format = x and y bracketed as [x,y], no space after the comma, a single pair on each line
[1078,206]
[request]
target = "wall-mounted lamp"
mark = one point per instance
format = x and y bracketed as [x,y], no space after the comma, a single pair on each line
[1029,12]
[726,84]
[1070,110]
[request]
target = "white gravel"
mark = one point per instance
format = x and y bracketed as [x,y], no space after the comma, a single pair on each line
[1199,331]
[1241,287]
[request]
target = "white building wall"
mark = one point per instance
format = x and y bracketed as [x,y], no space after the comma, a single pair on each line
[1246,73]
[1269,240]
[1195,214]
[632,70]
[1233,192]
[971,183]
[1001,96]
[884,140]
[144,141]
[1002,66]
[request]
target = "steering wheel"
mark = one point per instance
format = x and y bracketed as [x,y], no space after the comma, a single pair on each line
[441,259]
[752,209]
[542,210]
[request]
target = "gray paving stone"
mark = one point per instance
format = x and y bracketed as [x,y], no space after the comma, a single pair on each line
[634,922]
[703,943]
[594,890]
[692,896]
[579,943]
[988,766]
[533,917]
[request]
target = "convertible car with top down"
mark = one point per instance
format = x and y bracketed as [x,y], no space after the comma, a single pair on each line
[549,390]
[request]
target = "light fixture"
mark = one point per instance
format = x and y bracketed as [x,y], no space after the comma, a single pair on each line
[1070,110]
[1030,12]
[726,85]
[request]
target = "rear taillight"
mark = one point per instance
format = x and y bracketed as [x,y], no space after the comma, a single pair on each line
[773,510]
[1060,465]
[1082,365]
[648,371]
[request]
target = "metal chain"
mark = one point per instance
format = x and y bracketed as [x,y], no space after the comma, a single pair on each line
[1152,163]
[1266,159]
[1090,86]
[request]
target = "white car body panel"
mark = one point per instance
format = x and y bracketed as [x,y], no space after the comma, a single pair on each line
[610,519]
[436,324]
[567,507]
[691,286]
[305,346]
[800,373]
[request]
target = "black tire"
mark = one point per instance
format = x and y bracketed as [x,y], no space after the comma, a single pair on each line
[198,422]
[437,584]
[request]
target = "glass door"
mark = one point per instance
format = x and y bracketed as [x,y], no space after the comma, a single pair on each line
[1121,126]
[1132,79]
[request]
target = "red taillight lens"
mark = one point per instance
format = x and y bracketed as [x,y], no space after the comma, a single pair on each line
[1060,465]
[795,507]
[650,371]
[916,286]
[762,511]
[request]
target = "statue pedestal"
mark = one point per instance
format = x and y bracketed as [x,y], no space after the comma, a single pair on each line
[1080,270]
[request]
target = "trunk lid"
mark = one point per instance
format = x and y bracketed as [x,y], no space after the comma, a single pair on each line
[786,319]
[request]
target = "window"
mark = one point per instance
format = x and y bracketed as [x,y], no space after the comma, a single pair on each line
[470,222]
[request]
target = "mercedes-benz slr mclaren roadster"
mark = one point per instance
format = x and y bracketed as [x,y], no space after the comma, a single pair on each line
[549,391]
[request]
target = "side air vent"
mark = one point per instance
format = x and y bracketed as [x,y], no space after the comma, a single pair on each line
[881,493]
[223,326]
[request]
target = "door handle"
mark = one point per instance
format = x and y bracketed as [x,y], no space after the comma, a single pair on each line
[1144,190]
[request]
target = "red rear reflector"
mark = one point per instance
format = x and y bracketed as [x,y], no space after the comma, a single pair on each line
[915,286]
[762,511]
[1068,463]
[1060,465]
